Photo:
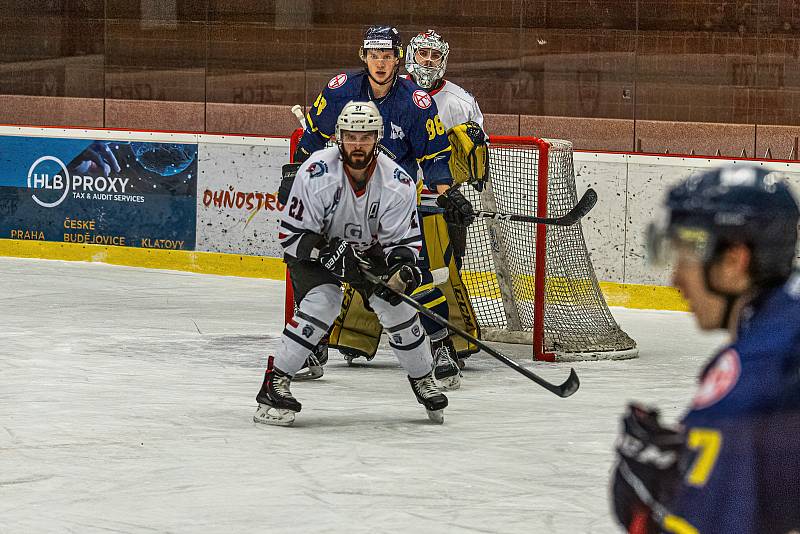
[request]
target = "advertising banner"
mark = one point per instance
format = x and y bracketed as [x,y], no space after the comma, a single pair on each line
[124,193]
[237,205]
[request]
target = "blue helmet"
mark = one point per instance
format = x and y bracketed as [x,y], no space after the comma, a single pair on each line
[382,37]
[736,204]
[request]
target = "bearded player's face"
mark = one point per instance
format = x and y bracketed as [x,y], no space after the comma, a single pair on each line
[358,148]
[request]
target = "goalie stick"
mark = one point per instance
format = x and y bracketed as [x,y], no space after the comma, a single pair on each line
[583,207]
[567,388]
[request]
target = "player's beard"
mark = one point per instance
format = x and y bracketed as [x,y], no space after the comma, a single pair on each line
[365,158]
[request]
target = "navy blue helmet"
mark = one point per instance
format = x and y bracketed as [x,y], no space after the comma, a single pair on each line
[382,37]
[734,204]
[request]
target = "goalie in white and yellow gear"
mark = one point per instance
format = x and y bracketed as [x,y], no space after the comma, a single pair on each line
[426,63]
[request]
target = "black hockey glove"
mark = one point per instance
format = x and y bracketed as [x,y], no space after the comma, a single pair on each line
[647,470]
[403,275]
[457,209]
[341,259]
[288,174]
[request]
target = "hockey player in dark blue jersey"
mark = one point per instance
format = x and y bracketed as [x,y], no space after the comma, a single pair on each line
[733,463]
[415,138]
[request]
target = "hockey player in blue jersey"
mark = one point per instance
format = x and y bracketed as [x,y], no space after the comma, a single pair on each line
[733,463]
[415,138]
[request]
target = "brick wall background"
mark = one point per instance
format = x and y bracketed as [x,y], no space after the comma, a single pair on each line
[649,75]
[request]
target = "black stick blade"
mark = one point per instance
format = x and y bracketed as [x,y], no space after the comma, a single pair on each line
[582,208]
[570,385]
[586,203]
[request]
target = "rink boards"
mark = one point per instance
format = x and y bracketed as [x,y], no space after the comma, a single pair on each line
[207,203]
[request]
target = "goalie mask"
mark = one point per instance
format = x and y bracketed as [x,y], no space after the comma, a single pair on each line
[434,49]
[359,117]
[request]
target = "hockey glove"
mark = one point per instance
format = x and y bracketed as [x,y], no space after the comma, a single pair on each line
[341,259]
[457,209]
[647,471]
[469,155]
[288,174]
[402,276]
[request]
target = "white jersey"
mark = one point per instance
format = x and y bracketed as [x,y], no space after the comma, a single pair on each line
[456,105]
[323,201]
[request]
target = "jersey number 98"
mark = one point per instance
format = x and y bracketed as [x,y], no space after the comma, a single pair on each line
[434,127]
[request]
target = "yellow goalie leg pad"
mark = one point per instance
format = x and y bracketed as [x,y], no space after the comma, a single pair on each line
[440,254]
[357,329]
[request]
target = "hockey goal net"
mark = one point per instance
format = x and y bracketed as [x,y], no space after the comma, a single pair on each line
[532,283]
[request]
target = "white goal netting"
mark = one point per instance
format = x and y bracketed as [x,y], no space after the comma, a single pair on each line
[500,267]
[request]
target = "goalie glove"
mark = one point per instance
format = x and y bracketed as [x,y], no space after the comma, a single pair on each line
[402,275]
[457,210]
[469,156]
[345,264]
[647,471]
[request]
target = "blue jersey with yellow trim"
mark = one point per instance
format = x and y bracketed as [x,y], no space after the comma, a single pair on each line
[743,429]
[413,134]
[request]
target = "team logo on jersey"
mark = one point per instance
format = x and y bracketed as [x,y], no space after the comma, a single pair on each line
[402,177]
[317,169]
[397,338]
[718,380]
[353,231]
[415,330]
[337,81]
[421,99]
[307,331]
[373,210]
[397,132]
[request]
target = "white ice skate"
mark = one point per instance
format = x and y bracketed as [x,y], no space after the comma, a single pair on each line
[270,415]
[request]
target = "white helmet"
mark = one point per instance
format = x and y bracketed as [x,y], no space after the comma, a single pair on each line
[426,77]
[359,117]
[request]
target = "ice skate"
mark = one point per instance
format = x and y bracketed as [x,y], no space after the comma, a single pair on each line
[276,405]
[430,397]
[350,356]
[445,368]
[312,369]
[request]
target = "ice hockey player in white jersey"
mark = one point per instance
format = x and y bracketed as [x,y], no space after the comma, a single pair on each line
[350,209]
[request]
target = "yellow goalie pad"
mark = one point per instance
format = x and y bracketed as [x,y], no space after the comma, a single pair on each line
[358,330]
[469,156]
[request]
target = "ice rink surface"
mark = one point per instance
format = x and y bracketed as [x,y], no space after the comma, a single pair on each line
[126,398]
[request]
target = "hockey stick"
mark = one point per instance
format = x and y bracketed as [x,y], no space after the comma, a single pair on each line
[566,389]
[583,207]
